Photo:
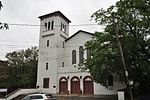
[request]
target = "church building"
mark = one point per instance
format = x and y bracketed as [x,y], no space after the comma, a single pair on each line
[60,56]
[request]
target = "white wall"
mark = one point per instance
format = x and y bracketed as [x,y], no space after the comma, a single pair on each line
[51,54]
[74,44]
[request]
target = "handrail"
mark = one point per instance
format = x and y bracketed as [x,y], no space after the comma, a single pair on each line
[13,92]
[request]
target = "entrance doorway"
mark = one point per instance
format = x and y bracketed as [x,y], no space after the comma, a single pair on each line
[75,85]
[63,85]
[88,85]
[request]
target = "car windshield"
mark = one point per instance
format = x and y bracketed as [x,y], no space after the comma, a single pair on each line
[26,98]
[36,97]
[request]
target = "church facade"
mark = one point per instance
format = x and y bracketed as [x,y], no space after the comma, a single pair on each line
[60,56]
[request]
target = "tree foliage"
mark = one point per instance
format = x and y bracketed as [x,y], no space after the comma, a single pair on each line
[4,74]
[23,66]
[131,18]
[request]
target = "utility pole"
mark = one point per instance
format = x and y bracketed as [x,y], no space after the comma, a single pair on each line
[116,27]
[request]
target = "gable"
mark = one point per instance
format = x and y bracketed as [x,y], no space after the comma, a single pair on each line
[78,34]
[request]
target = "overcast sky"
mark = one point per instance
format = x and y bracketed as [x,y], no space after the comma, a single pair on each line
[27,12]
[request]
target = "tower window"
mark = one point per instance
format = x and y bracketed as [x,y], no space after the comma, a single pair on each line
[65,28]
[47,43]
[61,27]
[81,54]
[62,64]
[52,25]
[49,24]
[46,66]
[45,26]
[74,57]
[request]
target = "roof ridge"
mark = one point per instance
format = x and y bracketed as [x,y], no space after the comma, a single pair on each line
[56,13]
[77,33]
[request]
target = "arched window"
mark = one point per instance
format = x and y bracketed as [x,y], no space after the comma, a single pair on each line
[61,27]
[65,28]
[74,57]
[89,53]
[52,25]
[45,26]
[49,24]
[81,54]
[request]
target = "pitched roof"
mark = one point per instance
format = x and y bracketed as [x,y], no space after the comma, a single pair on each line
[78,33]
[56,13]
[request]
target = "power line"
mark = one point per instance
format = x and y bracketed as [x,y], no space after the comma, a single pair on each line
[23,24]
[74,25]
[18,45]
[17,41]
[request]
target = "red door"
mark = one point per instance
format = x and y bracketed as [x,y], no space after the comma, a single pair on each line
[75,85]
[88,85]
[63,86]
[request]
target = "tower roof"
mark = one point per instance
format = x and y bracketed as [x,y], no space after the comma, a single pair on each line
[56,13]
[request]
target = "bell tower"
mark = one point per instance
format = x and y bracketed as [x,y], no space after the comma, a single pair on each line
[54,30]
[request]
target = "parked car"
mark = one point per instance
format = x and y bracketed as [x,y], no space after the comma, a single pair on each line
[39,97]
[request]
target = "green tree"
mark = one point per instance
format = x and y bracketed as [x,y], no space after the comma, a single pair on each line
[23,66]
[4,74]
[131,19]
